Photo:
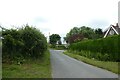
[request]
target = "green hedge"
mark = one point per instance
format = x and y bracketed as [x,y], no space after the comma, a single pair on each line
[26,42]
[58,47]
[107,49]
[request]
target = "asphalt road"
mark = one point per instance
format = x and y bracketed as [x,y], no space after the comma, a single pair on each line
[64,66]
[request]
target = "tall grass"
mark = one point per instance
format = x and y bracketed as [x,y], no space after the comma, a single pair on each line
[31,68]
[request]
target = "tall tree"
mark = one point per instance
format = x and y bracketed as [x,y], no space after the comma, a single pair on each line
[83,32]
[98,33]
[87,32]
[76,38]
[54,38]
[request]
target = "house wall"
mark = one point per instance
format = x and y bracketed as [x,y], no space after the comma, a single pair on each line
[111,32]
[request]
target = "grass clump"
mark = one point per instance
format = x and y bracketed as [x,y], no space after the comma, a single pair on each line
[31,68]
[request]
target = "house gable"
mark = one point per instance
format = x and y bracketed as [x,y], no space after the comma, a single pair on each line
[112,30]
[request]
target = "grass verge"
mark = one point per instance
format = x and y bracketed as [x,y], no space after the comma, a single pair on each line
[32,68]
[111,66]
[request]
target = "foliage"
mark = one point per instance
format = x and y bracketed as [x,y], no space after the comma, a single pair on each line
[52,45]
[106,49]
[23,42]
[86,32]
[66,39]
[98,33]
[54,38]
[34,41]
[32,68]
[58,47]
[59,42]
[12,43]
[75,38]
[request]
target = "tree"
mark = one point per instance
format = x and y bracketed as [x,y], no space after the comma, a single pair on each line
[72,32]
[87,32]
[99,33]
[59,42]
[83,31]
[76,38]
[54,38]
[66,39]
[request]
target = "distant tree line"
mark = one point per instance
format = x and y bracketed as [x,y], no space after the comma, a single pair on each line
[81,33]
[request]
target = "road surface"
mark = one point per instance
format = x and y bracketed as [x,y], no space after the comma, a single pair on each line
[64,66]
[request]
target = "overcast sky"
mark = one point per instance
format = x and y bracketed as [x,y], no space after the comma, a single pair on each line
[58,16]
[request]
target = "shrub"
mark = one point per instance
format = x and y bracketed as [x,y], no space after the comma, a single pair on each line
[102,49]
[35,43]
[60,47]
[25,42]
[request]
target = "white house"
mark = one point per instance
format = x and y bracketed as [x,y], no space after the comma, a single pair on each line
[112,30]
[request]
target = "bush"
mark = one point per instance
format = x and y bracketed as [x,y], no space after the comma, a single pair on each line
[60,47]
[106,49]
[52,46]
[25,42]
[35,43]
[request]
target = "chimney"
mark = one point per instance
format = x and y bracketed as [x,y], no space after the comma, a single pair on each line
[117,25]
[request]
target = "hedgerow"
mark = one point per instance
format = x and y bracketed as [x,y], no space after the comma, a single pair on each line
[26,42]
[106,49]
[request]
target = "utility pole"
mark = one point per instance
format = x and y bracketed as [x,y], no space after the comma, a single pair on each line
[49,38]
